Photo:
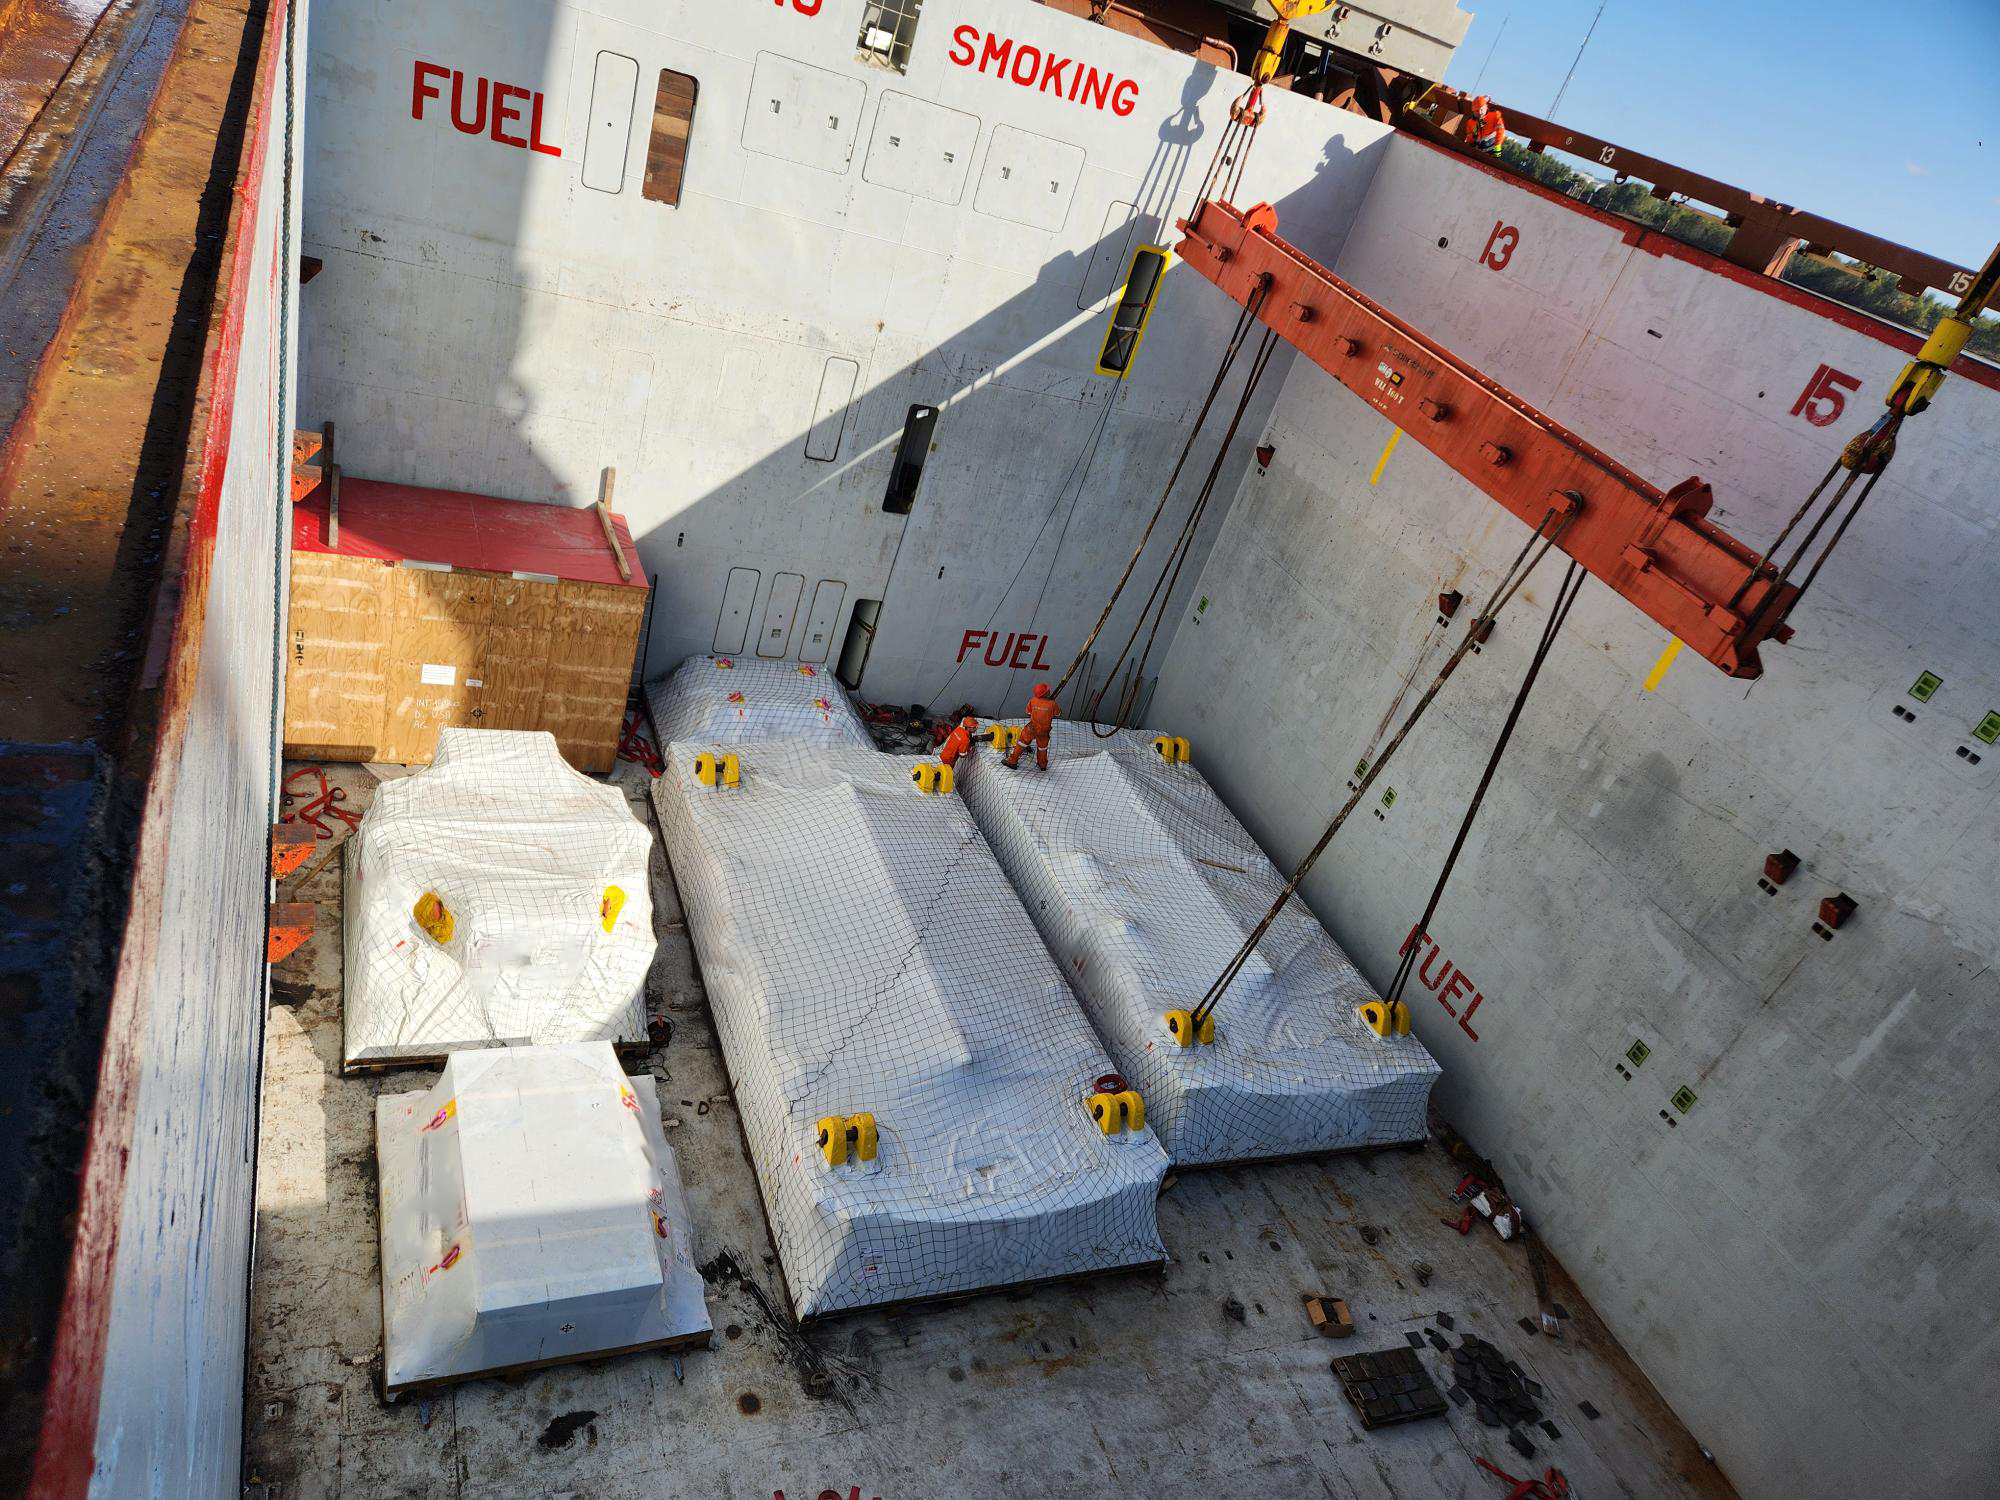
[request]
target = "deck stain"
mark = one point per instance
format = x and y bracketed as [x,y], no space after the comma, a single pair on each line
[561,1432]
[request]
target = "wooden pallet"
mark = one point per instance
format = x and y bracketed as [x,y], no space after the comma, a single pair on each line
[1329,1154]
[629,1053]
[679,1344]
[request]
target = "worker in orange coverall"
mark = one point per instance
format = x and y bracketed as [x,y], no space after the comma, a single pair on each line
[1042,713]
[959,741]
[1485,127]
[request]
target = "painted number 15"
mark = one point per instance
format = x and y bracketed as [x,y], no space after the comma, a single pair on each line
[1824,398]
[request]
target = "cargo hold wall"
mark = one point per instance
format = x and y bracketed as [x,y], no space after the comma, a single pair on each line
[145,1395]
[849,246]
[1798,1256]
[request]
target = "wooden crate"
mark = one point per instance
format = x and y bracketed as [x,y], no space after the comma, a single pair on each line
[438,610]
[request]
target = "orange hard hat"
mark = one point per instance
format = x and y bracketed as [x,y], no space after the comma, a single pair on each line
[968,722]
[1041,690]
[1479,103]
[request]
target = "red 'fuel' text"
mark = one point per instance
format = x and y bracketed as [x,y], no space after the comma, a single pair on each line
[482,106]
[1451,984]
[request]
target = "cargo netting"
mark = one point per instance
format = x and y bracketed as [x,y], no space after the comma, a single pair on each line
[495,897]
[1144,885]
[731,700]
[866,960]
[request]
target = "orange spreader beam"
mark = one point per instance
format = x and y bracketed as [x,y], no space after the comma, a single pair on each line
[1656,547]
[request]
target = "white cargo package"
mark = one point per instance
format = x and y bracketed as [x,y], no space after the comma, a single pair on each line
[1144,886]
[730,700]
[496,897]
[532,1213]
[866,960]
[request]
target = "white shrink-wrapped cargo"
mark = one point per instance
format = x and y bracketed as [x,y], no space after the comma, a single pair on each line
[531,1214]
[874,980]
[495,897]
[730,700]
[1144,886]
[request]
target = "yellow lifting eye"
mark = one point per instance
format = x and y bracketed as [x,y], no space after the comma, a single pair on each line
[711,769]
[612,904]
[840,1136]
[433,916]
[1003,735]
[1377,1016]
[932,777]
[1113,1113]
[1181,1027]
[1172,748]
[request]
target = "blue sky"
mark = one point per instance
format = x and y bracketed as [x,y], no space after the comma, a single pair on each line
[1870,114]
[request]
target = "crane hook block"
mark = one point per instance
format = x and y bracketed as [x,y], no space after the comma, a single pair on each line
[1386,1018]
[712,769]
[1172,748]
[1181,1027]
[931,777]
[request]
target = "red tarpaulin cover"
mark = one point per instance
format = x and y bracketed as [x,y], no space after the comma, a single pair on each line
[408,523]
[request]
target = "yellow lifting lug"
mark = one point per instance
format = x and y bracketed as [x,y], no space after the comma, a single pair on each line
[1132,1108]
[713,768]
[932,777]
[1003,735]
[841,1137]
[1114,1113]
[833,1140]
[1386,1018]
[434,917]
[1181,1027]
[1172,749]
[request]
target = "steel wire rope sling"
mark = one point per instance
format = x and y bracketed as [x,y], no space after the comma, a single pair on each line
[1868,454]
[1170,570]
[1566,592]
[1244,321]
[1225,173]
[1547,533]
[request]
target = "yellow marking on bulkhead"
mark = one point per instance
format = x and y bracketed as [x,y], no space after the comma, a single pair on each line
[1666,660]
[1395,437]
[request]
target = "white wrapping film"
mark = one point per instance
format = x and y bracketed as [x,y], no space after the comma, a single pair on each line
[731,700]
[1144,885]
[543,874]
[864,954]
[531,1213]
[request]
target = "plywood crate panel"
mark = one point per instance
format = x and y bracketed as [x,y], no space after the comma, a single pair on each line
[443,610]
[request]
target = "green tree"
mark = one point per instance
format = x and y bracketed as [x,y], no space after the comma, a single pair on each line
[1835,277]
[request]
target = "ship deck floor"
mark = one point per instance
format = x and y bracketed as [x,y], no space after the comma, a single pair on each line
[1205,1380]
